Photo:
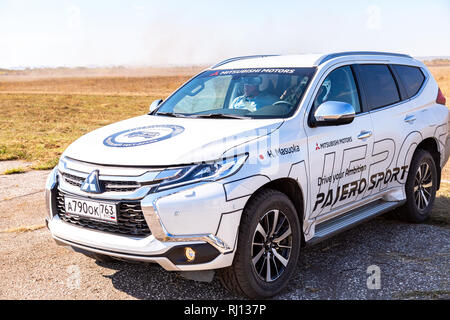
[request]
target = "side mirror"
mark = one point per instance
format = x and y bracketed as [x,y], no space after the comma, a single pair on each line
[155,104]
[333,113]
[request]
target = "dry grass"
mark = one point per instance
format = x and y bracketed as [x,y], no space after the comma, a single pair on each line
[442,76]
[117,86]
[23,229]
[441,212]
[427,295]
[437,62]
[38,127]
[15,170]
[83,72]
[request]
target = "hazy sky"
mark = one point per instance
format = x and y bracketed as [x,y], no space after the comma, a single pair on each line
[155,32]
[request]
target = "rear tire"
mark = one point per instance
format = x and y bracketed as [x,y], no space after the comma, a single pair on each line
[268,247]
[420,188]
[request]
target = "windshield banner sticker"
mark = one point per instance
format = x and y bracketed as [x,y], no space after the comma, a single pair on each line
[272,70]
[288,71]
[142,136]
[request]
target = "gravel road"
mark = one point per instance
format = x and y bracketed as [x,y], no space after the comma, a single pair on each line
[413,261]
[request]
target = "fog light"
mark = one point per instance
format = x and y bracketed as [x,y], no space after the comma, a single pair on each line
[189,253]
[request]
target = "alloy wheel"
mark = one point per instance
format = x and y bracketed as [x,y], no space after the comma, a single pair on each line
[271,246]
[423,183]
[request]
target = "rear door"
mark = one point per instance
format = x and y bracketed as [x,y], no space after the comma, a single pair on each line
[396,124]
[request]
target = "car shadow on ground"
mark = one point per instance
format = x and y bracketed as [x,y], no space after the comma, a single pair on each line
[150,281]
[412,259]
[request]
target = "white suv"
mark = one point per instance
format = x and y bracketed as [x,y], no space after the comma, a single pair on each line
[253,159]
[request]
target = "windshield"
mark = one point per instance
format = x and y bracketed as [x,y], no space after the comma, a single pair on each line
[240,93]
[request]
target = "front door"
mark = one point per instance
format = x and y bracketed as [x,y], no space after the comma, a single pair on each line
[338,155]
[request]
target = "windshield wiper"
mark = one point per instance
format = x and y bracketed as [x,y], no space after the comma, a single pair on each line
[219,116]
[170,114]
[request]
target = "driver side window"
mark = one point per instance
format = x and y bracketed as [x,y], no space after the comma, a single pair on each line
[340,86]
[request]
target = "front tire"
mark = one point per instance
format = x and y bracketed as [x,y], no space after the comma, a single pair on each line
[421,187]
[268,247]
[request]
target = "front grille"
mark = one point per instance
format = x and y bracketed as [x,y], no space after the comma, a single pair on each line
[109,186]
[130,219]
[73,180]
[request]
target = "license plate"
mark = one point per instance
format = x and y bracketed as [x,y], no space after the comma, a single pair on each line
[104,211]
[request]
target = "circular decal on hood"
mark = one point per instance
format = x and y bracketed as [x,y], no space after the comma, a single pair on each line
[141,136]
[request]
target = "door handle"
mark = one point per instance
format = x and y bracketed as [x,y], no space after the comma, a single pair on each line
[410,118]
[365,134]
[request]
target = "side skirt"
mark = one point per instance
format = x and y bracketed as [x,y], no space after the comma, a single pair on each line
[352,218]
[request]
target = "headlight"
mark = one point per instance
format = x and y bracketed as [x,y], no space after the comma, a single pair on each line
[200,172]
[51,179]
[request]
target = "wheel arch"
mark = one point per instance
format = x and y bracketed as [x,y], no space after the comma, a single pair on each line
[291,188]
[432,146]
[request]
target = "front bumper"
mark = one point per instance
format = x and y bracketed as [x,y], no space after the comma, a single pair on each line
[196,216]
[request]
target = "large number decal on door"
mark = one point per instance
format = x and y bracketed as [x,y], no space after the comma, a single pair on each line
[356,177]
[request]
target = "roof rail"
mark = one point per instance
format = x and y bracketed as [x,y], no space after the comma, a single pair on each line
[242,58]
[352,53]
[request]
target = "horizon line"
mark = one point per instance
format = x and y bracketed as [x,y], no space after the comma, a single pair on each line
[172,65]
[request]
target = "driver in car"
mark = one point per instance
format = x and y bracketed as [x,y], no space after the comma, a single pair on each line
[253,99]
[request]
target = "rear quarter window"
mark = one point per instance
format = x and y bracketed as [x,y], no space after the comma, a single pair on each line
[379,85]
[412,79]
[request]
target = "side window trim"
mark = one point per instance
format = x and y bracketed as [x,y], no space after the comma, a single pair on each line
[398,82]
[366,105]
[360,88]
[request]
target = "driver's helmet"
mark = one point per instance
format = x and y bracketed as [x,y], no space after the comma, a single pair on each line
[327,85]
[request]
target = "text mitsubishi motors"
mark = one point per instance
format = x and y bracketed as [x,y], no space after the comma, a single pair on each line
[253,159]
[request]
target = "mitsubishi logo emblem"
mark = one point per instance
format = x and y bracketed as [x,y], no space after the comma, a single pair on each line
[91,184]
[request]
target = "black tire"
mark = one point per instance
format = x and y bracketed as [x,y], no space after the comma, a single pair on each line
[242,277]
[420,188]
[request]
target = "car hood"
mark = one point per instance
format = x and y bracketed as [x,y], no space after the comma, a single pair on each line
[162,141]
